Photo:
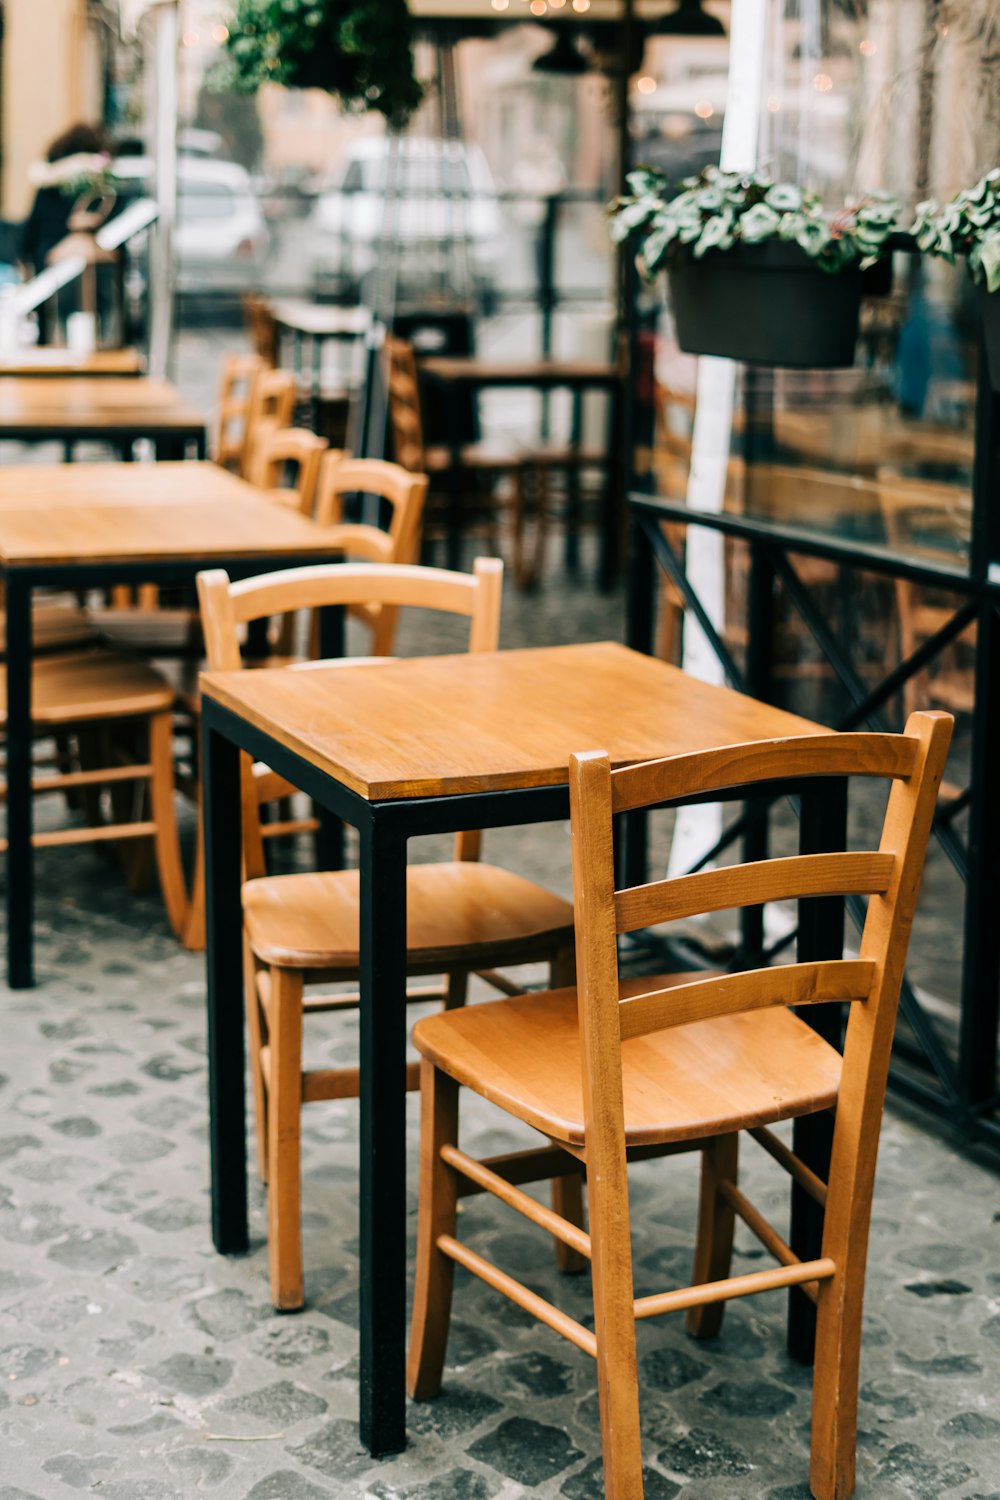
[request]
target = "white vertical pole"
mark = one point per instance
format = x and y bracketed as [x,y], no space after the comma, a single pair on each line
[161,65]
[697,828]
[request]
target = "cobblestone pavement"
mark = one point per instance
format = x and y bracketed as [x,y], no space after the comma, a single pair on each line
[136,1364]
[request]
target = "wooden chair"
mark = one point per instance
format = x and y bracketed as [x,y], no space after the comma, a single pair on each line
[276,450]
[261,328]
[463,916]
[91,703]
[397,490]
[271,407]
[238,374]
[917,509]
[682,1063]
[403,494]
[481,465]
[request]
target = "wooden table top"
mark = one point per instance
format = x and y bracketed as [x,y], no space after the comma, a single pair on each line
[98,402]
[529,372]
[107,513]
[320,319]
[432,726]
[45,360]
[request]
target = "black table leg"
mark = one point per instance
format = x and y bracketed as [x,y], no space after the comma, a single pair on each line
[383,1136]
[823,827]
[20,869]
[224,970]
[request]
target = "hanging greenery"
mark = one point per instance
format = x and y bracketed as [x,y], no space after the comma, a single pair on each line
[360,50]
[719,210]
[969,224]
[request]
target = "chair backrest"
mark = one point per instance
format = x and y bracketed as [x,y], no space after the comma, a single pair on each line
[890,877]
[405,415]
[793,492]
[404,494]
[238,374]
[281,447]
[271,407]
[261,327]
[226,606]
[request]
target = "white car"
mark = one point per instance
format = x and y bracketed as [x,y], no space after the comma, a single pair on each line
[220,240]
[425,210]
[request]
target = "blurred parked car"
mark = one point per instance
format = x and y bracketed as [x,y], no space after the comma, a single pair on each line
[426,211]
[220,240]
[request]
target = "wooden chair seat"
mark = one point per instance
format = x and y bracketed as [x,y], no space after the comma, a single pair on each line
[457,912]
[706,1078]
[91,685]
[57,624]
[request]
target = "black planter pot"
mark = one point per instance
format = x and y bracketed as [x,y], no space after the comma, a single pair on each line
[767,304]
[989,313]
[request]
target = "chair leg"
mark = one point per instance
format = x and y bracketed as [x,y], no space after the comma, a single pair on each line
[284,1191]
[259,1036]
[168,849]
[838,1314]
[716,1222]
[456,989]
[567,1202]
[193,936]
[567,1192]
[614,1325]
[835,1383]
[436,1216]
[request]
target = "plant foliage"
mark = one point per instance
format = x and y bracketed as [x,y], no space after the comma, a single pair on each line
[969,224]
[361,50]
[717,210]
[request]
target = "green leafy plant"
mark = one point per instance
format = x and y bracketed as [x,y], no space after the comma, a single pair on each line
[969,224]
[361,50]
[717,210]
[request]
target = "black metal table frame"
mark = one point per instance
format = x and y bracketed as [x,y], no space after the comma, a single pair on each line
[965,1093]
[19,583]
[384,828]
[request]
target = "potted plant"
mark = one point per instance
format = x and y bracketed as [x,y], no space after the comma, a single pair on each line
[758,270]
[969,224]
[361,50]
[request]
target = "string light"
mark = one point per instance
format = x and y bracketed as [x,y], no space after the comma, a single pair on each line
[822,83]
[704,110]
[538,7]
[220,33]
[646,85]
[580,6]
[867,48]
[773,103]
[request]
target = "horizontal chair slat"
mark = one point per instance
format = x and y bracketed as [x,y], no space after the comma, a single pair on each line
[724,995]
[537,1213]
[793,1165]
[64,837]
[350,583]
[735,1286]
[751,885]
[741,765]
[530,1301]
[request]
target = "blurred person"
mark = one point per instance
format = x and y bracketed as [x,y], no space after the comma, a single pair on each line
[75,159]
[75,164]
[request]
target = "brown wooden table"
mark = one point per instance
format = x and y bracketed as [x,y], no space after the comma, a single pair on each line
[46,360]
[79,526]
[427,745]
[577,376]
[101,408]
